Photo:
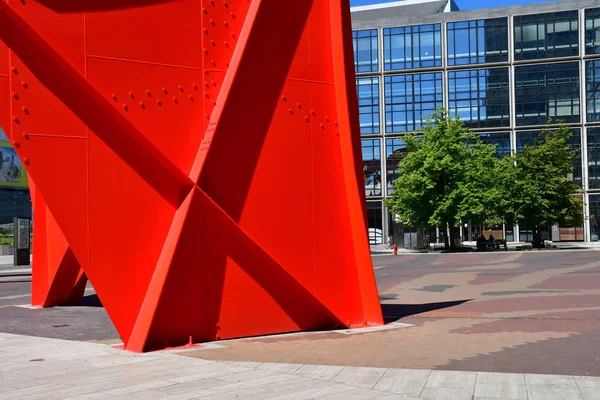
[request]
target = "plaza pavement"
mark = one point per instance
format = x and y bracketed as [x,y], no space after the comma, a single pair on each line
[521,313]
[45,369]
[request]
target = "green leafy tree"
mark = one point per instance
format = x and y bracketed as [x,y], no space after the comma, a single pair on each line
[537,191]
[447,176]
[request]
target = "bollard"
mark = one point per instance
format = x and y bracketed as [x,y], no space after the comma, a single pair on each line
[395,249]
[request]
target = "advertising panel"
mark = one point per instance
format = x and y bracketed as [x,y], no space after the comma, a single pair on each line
[12,173]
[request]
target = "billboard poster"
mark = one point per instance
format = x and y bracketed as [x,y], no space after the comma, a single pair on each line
[12,173]
[23,227]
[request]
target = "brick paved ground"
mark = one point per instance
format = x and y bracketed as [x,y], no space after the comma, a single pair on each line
[532,312]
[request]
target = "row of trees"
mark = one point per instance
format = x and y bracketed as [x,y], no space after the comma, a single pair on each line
[449,176]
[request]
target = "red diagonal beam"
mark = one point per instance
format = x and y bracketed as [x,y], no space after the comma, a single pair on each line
[250,92]
[67,84]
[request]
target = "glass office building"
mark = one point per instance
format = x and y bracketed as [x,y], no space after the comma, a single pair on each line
[504,71]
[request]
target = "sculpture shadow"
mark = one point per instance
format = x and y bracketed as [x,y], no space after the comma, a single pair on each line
[395,312]
[91,300]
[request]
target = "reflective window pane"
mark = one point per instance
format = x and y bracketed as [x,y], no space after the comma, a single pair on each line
[529,138]
[410,100]
[375,218]
[592,31]
[593,90]
[546,35]
[500,139]
[371,155]
[547,91]
[412,47]
[594,202]
[593,151]
[365,50]
[480,97]
[395,149]
[483,41]
[368,105]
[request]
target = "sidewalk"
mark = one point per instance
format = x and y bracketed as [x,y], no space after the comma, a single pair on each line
[40,368]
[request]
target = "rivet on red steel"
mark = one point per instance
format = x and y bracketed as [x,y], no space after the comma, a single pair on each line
[114,97]
[148,92]
[165,91]
[16,144]
[180,88]
[291,111]
[125,107]
[16,119]
[191,98]
[313,112]
[15,95]
[195,86]
[175,100]
[131,95]
[26,135]
[15,71]
[142,105]
[25,110]
[24,84]
[158,102]
[26,161]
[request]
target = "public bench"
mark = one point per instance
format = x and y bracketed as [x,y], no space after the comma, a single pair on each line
[486,245]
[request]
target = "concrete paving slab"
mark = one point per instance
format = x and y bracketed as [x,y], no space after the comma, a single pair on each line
[452,380]
[550,384]
[280,368]
[323,372]
[500,386]
[359,376]
[434,393]
[403,381]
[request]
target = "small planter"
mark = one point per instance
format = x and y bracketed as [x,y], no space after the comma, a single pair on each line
[6,250]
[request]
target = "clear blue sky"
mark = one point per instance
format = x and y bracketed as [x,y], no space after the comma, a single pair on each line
[462,4]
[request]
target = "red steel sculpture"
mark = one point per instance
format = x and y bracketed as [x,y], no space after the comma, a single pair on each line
[197,160]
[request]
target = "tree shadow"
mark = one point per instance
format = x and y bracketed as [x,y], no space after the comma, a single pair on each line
[395,312]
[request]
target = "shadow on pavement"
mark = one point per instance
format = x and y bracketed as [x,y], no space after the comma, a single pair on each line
[395,312]
[91,300]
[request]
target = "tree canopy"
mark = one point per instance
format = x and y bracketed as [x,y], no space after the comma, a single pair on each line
[449,176]
[446,176]
[537,186]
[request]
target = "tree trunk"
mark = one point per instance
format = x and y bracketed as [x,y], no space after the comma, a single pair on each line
[446,243]
[452,241]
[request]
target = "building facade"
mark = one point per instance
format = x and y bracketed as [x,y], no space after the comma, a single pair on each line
[14,191]
[504,71]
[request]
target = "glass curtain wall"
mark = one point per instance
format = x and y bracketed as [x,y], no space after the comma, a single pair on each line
[395,149]
[593,90]
[547,92]
[475,42]
[412,47]
[368,105]
[480,97]
[550,35]
[592,31]
[371,155]
[366,53]
[410,100]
